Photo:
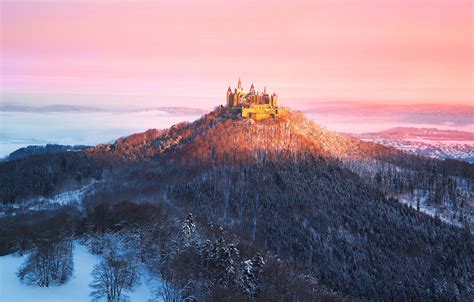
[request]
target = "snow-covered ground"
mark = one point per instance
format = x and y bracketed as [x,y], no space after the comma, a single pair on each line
[68,197]
[429,142]
[38,203]
[77,289]
[444,212]
[65,198]
[434,149]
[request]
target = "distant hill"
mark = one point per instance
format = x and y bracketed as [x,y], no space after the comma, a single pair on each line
[49,148]
[366,112]
[433,134]
[49,108]
[429,142]
[88,109]
[174,110]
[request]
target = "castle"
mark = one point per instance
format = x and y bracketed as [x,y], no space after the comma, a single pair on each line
[253,104]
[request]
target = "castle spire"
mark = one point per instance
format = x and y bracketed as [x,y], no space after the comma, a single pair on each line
[252,89]
[239,84]
[264,89]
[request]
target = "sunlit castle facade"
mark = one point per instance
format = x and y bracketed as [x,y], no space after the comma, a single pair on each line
[253,104]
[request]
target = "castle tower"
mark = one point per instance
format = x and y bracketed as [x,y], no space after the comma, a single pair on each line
[274,100]
[236,97]
[239,85]
[252,89]
[229,99]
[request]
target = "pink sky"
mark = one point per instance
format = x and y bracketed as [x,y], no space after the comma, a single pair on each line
[152,53]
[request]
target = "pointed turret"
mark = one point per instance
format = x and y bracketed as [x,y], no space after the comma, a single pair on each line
[239,84]
[274,99]
[229,98]
[252,89]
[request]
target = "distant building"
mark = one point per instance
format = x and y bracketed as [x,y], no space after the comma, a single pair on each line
[253,104]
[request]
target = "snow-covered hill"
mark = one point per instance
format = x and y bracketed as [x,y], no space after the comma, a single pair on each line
[343,209]
[429,142]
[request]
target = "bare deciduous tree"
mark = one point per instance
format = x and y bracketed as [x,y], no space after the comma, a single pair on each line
[114,276]
[49,264]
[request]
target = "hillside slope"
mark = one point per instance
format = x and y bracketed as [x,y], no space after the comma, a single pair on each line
[318,199]
[219,134]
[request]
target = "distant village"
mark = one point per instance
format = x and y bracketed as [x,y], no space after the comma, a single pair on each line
[253,104]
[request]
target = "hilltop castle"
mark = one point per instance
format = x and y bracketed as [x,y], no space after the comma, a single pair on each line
[253,104]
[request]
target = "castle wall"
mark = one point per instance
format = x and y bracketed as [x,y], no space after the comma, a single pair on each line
[259,112]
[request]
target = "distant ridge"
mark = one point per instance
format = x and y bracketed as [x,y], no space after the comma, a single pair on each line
[364,112]
[428,142]
[175,110]
[87,109]
[49,148]
[49,108]
[425,133]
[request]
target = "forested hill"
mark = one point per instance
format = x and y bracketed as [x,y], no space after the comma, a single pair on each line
[49,148]
[323,205]
[325,202]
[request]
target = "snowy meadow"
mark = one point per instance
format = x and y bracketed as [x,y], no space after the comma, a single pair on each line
[76,289]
